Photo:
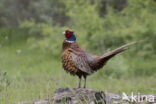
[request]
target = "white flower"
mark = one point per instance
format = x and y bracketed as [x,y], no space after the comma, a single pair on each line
[19,51]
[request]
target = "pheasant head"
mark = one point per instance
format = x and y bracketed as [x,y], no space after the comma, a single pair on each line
[69,35]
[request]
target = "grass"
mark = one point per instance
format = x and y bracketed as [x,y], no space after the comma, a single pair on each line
[33,75]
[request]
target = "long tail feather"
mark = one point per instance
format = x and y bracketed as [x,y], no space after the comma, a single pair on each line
[116,51]
[102,60]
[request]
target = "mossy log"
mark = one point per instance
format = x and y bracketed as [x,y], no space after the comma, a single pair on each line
[88,96]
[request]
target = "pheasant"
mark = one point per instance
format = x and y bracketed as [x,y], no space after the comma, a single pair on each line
[81,63]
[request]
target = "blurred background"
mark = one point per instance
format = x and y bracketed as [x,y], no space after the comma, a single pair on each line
[31,41]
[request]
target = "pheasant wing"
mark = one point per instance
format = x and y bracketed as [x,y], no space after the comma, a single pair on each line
[80,60]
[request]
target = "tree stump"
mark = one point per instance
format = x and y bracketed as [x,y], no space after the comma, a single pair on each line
[78,96]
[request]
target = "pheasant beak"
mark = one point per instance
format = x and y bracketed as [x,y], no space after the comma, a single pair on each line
[63,33]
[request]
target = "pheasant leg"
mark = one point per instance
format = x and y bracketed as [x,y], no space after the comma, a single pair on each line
[79,86]
[85,81]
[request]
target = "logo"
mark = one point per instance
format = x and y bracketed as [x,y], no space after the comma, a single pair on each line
[138,98]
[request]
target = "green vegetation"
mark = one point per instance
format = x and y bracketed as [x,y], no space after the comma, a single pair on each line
[31,40]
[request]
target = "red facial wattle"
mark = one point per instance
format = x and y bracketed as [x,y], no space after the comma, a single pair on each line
[67,34]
